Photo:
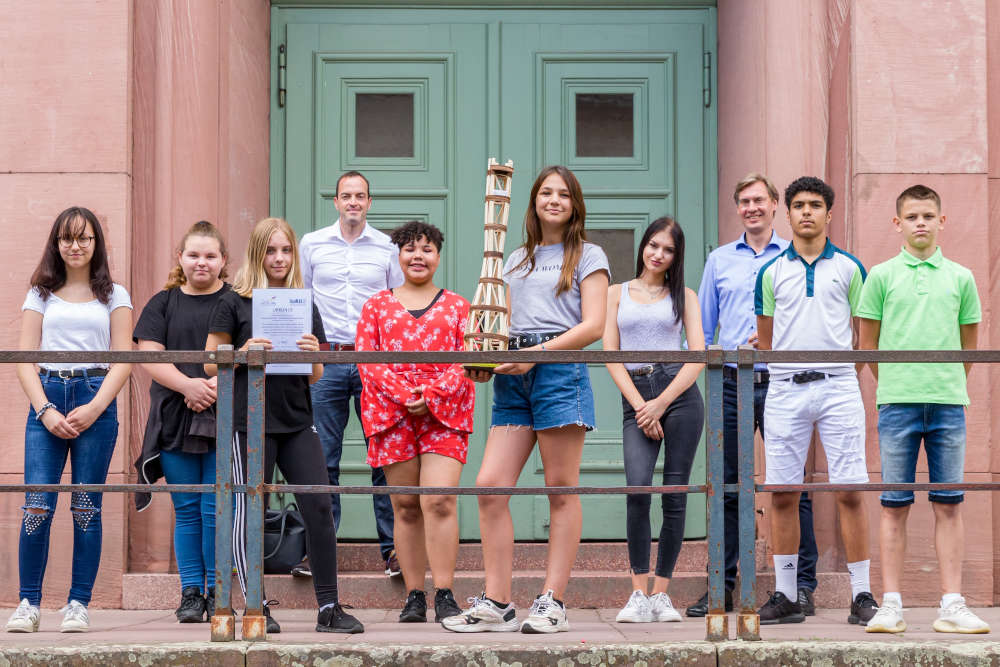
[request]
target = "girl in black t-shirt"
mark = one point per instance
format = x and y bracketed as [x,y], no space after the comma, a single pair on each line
[290,441]
[179,442]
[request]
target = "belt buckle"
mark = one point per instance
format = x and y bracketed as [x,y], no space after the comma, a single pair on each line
[68,373]
[643,370]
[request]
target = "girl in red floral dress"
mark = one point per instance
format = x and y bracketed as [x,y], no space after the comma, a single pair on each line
[418,416]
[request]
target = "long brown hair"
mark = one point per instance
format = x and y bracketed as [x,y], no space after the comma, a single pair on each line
[573,234]
[252,274]
[50,274]
[176,277]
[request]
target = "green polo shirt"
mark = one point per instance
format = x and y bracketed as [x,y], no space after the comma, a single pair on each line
[921,304]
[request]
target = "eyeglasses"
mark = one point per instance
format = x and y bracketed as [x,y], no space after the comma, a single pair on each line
[82,241]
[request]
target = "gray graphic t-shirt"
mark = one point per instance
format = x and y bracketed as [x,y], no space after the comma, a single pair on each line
[535,308]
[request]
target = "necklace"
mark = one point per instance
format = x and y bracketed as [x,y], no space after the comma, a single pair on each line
[650,293]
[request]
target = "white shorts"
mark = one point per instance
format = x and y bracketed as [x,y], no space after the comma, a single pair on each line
[833,405]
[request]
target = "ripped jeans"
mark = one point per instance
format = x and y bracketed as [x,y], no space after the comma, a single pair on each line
[44,459]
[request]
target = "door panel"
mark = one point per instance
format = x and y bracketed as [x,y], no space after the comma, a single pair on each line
[619,102]
[417,99]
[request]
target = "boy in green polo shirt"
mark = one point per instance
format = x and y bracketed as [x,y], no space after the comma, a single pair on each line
[919,300]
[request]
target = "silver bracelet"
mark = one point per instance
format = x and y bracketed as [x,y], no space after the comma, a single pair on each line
[38,415]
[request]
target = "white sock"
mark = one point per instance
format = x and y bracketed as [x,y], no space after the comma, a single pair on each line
[859,577]
[893,597]
[949,599]
[785,570]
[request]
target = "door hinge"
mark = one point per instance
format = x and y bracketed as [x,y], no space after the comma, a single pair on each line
[706,86]
[282,66]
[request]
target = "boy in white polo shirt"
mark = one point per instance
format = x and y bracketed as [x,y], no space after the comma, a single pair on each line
[918,300]
[805,299]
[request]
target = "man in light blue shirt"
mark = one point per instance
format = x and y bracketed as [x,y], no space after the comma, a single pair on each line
[726,297]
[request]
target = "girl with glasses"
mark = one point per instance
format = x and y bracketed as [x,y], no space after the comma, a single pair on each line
[72,305]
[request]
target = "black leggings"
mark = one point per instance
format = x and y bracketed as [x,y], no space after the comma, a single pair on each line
[299,456]
[682,423]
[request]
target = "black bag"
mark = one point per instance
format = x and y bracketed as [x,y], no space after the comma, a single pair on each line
[284,540]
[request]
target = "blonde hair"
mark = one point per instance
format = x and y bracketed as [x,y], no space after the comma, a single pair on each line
[252,274]
[750,179]
[176,277]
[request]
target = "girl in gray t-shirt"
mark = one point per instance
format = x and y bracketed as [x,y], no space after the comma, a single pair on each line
[557,299]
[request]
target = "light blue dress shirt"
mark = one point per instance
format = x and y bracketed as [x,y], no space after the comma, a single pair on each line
[726,295]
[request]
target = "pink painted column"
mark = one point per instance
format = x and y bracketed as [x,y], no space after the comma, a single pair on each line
[990,335]
[201,152]
[65,140]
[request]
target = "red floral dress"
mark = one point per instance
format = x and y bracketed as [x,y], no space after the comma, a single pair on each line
[393,434]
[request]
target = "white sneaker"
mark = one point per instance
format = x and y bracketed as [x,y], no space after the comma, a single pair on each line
[483,616]
[888,618]
[956,617]
[636,610]
[75,618]
[546,616]
[663,609]
[25,618]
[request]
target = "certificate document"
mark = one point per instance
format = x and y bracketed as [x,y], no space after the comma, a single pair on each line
[282,315]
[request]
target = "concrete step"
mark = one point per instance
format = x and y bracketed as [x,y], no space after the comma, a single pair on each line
[355,557]
[589,589]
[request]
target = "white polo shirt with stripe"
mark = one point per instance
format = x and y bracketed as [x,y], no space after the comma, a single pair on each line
[812,305]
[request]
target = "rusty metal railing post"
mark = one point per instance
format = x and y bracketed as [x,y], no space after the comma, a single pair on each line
[716,621]
[223,622]
[254,623]
[748,621]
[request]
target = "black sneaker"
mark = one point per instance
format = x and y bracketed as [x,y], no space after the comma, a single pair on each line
[779,609]
[862,609]
[445,605]
[272,625]
[192,609]
[806,602]
[210,603]
[335,619]
[700,608]
[415,609]
[302,570]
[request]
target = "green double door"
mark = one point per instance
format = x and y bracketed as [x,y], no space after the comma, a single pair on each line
[418,99]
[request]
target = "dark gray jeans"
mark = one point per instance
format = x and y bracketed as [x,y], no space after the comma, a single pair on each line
[682,423]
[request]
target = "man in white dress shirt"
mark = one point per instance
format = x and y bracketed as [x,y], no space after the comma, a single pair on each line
[344,264]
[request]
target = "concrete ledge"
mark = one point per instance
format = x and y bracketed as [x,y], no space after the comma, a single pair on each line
[850,654]
[693,654]
[144,655]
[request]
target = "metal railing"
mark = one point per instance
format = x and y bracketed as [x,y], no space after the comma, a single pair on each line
[226,358]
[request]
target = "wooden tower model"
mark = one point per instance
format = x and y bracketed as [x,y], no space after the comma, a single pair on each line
[487,328]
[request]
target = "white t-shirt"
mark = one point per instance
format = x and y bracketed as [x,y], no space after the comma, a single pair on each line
[534,306]
[75,326]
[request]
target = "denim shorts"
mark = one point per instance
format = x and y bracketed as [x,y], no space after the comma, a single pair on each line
[547,396]
[901,427]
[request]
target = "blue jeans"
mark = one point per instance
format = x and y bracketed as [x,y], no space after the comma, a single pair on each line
[901,427]
[808,552]
[331,404]
[194,517]
[44,459]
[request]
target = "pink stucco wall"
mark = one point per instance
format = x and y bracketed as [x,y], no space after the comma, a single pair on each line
[166,122]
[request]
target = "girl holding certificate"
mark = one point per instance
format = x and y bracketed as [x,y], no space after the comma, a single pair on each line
[179,441]
[272,260]
[558,285]
[418,416]
[72,305]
